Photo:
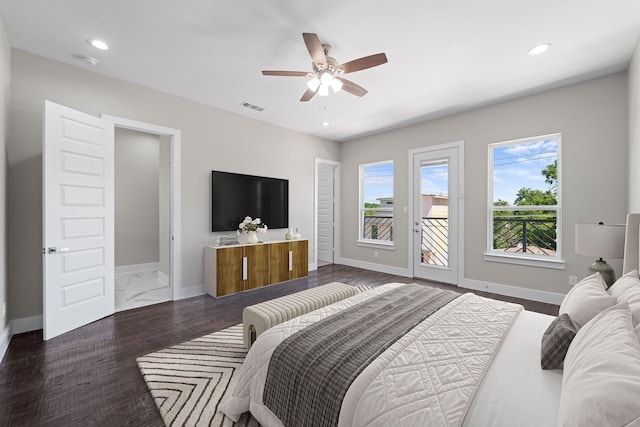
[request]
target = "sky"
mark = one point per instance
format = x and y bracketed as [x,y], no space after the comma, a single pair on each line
[520,165]
[377,182]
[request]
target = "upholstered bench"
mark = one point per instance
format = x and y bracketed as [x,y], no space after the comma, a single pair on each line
[259,317]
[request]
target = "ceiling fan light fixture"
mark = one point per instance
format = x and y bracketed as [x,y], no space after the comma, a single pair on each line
[336,85]
[326,78]
[313,83]
[323,90]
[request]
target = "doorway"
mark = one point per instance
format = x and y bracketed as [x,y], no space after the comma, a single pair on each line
[166,272]
[78,207]
[142,264]
[436,194]
[327,178]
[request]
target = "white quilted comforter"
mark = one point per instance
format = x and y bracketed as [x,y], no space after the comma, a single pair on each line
[428,377]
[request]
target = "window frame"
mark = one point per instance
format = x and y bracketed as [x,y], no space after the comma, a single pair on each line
[545,261]
[362,240]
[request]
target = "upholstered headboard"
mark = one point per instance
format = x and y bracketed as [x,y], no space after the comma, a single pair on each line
[632,243]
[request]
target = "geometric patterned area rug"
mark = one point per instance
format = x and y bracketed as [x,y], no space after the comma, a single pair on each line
[189,380]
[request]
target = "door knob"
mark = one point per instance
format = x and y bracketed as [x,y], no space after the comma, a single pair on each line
[57,250]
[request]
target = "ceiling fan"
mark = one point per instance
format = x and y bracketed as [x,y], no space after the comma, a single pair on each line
[326,70]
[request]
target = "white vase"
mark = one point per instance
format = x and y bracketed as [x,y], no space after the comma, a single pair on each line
[252,237]
[289,234]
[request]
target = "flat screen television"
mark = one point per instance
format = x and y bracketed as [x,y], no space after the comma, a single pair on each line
[235,196]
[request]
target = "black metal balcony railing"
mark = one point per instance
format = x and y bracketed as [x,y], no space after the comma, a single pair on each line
[435,241]
[377,225]
[525,234]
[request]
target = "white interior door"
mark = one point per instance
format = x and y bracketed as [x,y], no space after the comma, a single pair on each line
[435,214]
[78,218]
[326,212]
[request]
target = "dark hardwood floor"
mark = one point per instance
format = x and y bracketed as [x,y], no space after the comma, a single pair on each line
[89,377]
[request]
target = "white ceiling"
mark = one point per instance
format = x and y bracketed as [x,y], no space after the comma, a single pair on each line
[444,56]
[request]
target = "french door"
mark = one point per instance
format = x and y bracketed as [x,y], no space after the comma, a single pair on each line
[436,184]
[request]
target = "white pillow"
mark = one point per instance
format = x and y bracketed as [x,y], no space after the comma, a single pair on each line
[627,289]
[586,299]
[601,379]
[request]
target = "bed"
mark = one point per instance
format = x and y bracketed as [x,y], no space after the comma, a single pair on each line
[472,361]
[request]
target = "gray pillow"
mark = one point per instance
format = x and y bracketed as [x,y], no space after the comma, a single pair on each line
[556,341]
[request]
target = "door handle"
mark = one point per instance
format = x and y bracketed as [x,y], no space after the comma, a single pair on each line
[58,250]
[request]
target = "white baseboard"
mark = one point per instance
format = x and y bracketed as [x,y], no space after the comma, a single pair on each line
[133,268]
[191,291]
[313,266]
[26,324]
[5,338]
[512,291]
[478,285]
[398,271]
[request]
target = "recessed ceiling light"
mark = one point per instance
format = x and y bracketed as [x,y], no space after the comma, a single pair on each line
[325,123]
[98,44]
[537,50]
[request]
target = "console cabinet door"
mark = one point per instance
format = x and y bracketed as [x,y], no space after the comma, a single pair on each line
[300,264]
[279,262]
[229,270]
[257,266]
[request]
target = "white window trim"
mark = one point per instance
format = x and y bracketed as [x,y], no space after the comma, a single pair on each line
[556,262]
[372,243]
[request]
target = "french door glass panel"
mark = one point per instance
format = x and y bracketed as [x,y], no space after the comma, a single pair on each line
[434,213]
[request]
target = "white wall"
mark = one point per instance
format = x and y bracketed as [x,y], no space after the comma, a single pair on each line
[211,139]
[137,193]
[593,119]
[634,131]
[5,80]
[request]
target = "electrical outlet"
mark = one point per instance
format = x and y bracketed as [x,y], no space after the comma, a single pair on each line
[375,254]
[573,280]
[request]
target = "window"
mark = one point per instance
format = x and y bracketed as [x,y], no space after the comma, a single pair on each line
[524,202]
[376,203]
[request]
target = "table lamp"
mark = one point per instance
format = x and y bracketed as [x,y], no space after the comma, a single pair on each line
[602,241]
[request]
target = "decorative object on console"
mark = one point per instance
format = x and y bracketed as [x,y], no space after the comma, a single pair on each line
[297,235]
[251,226]
[603,241]
[289,235]
[227,240]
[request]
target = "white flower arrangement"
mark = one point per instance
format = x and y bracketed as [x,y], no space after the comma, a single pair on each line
[252,225]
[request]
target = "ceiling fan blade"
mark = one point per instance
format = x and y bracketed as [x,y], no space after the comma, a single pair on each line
[308,95]
[351,87]
[285,73]
[315,49]
[364,63]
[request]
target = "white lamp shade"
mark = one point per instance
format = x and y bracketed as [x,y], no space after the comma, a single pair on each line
[599,240]
[313,83]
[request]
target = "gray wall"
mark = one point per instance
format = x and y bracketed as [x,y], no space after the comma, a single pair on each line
[137,192]
[5,80]
[634,131]
[593,119]
[211,139]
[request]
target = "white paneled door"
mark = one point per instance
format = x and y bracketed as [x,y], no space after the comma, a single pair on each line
[326,212]
[78,218]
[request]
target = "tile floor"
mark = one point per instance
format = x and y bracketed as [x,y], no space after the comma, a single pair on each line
[141,288]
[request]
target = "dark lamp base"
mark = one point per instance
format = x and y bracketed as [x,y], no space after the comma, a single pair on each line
[605,270]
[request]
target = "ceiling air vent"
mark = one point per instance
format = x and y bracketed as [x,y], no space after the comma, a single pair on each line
[251,106]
